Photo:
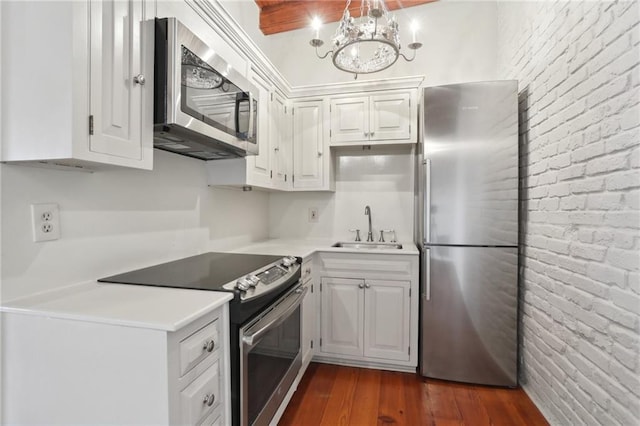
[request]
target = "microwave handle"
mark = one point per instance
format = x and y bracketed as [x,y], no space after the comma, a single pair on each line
[250,130]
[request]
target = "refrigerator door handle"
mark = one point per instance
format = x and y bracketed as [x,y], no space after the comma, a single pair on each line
[426,273]
[427,201]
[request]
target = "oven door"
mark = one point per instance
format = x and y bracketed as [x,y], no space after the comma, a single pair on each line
[270,358]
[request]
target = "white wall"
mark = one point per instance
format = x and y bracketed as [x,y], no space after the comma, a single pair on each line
[116,220]
[381,178]
[459,39]
[578,64]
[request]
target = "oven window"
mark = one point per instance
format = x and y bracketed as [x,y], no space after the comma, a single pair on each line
[270,360]
[208,96]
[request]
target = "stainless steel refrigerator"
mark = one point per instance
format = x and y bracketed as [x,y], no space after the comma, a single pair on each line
[467,232]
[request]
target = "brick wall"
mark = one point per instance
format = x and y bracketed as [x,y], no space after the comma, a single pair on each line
[578,69]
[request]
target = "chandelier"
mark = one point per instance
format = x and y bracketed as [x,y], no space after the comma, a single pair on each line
[367,44]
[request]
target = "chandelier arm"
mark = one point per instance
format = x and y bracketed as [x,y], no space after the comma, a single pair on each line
[407,59]
[325,55]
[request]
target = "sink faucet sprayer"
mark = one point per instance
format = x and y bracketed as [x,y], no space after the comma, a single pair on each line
[367,211]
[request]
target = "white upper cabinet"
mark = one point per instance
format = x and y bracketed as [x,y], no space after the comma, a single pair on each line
[86,98]
[349,119]
[281,143]
[384,118]
[311,157]
[259,168]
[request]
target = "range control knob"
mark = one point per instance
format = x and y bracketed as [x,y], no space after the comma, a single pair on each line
[243,284]
[288,261]
[253,280]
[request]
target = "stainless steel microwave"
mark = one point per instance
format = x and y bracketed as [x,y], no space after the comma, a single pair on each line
[203,108]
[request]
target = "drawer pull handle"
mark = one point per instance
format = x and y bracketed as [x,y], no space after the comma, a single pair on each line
[209,399]
[208,345]
[308,271]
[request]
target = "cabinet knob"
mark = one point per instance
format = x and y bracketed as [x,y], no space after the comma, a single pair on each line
[209,399]
[276,149]
[319,154]
[139,79]
[366,285]
[208,345]
[360,285]
[372,133]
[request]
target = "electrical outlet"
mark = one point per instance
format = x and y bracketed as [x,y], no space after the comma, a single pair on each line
[313,214]
[45,222]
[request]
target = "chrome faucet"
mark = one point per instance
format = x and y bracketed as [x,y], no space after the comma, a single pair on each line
[367,211]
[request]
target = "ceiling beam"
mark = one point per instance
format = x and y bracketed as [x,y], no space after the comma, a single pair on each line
[278,16]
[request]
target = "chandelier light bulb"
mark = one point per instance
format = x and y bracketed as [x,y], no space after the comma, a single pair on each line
[414,29]
[316,24]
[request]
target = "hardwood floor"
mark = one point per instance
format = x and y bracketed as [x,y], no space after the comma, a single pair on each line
[334,395]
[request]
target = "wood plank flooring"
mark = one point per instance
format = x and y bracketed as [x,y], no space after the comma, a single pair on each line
[332,395]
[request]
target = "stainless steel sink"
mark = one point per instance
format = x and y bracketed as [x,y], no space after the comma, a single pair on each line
[367,246]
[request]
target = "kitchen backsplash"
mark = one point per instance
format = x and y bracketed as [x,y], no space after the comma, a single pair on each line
[381,178]
[117,220]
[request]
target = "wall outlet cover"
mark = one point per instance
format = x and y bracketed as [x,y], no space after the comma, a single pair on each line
[45,222]
[313,214]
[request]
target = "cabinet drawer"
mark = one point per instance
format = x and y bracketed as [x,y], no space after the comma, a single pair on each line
[202,396]
[307,271]
[213,419]
[198,346]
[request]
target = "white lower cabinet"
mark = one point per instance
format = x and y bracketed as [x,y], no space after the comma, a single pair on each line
[309,314]
[368,318]
[386,319]
[99,373]
[368,309]
[342,316]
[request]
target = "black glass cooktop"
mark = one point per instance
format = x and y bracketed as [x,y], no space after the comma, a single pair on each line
[208,271]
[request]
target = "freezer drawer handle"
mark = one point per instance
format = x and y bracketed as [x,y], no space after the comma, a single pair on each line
[426,273]
[427,200]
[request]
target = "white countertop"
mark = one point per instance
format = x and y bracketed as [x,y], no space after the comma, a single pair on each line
[157,308]
[162,308]
[306,247]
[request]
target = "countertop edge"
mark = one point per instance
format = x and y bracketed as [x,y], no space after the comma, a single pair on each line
[305,248]
[118,319]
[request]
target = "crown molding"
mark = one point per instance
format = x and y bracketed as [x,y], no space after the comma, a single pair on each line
[410,82]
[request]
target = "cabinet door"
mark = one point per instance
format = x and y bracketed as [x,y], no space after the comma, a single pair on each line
[390,116]
[349,119]
[308,145]
[121,105]
[308,324]
[386,319]
[342,314]
[280,132]
[259,166]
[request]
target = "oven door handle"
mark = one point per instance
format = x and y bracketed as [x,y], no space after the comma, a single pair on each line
[274,318]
